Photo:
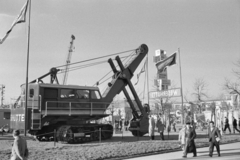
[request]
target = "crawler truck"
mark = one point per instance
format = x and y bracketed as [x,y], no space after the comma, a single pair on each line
[69,109]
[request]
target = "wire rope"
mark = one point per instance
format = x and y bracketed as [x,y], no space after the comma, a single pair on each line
[97,58]
[86,65]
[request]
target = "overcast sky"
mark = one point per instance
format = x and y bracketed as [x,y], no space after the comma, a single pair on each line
[206,31]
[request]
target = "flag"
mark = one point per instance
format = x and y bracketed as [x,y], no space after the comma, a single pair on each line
[171,60]
[141,71]
[20,19]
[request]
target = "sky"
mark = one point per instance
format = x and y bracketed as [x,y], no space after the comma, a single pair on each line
[207,32]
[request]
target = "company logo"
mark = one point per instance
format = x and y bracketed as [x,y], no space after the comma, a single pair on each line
[18,117]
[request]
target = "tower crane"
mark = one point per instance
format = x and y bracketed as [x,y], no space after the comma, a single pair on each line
[65,76]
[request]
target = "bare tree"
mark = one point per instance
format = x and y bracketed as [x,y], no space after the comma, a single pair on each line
[231,86]
[200,92]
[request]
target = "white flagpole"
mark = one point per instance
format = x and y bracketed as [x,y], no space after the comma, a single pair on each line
[181,85]
[26,91]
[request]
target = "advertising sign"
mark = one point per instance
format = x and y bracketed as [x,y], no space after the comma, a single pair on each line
[166,93]
[162,75]
[165,82]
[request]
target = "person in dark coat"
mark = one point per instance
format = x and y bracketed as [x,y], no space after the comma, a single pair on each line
[126,125]
[120,124]
[161,128]
[226,125]
[239,123]
[235,125]
[214,138]
[190,135]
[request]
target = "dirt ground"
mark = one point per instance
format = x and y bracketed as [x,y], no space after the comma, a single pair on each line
[47,150]
[88,151]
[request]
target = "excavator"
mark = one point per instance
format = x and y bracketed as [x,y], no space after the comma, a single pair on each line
[70,112]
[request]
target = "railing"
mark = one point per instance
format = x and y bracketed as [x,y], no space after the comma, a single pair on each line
[73,106]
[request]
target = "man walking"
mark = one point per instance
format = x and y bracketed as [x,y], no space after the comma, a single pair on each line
[161,128]
[239,123]
[190,146]
[226,126]
[214,138]
[235,125]
[19,148]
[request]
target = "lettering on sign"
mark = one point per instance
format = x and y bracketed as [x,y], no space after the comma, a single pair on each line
[18,117]
[166,93]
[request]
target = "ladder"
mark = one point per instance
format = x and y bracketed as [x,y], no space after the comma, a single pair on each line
[36,114]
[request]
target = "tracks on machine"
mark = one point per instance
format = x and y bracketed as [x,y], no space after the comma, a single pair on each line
[77,133]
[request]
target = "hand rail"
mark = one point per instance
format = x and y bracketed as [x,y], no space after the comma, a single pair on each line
[70,106]
[40,103]
[46,109]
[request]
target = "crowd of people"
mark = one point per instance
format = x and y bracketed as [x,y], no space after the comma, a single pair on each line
[187,134]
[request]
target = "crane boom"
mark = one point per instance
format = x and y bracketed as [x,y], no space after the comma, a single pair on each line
[68,61]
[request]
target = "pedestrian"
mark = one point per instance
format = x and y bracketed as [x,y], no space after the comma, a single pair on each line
[126,125]
[239,123]
[182,138]
[226,125]
[190,146]
[235,125]
[161,128]
[151,127]
[120,124]
[19,148]
[214,139]
[174,126]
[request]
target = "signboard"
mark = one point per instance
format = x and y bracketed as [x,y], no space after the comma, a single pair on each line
[166,93]
[200,117]
[178,113]
[162,75]
[157,52]
[165,82]
[159,55]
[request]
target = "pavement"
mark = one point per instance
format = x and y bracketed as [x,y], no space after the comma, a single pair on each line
[228,152]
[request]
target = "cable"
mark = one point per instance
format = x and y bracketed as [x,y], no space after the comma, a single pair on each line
[97,58]
[86,65]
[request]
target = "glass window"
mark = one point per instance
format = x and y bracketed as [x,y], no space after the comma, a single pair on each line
[31,94]
[83,94]
[68,93]
[6,115]
[95,95]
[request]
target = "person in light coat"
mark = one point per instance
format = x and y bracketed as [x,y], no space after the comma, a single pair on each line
[182,137]
[19,149]
[151,128]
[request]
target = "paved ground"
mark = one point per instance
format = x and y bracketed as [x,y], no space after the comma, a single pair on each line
[228,152]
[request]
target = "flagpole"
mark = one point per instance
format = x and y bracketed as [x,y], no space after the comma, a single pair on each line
[26,91]
[147,81]
[181,85]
